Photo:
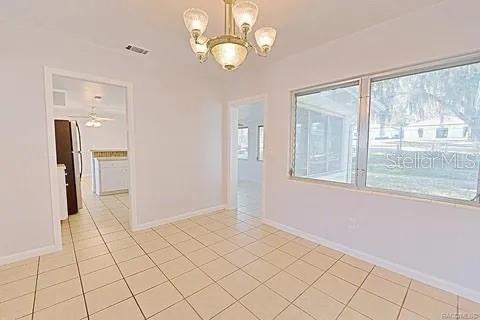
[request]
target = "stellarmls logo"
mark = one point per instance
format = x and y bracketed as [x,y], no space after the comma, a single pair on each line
[431,160]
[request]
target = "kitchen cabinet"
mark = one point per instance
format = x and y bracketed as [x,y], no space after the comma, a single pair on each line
[62,191]
[111,176]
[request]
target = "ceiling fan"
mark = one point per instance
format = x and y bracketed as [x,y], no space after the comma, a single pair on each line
[93,119]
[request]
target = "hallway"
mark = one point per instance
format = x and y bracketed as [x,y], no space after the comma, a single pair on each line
[249,198]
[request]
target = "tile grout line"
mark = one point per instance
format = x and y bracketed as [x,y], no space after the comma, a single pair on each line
[182,229]
[356,291]
[116,264]
[260,239]
[261,283]
[78,270]
[257,258]
[35,288]
[238,268]
[404,299]
[19,279]
[129,236]
[12,265]
[197,267]
[146,254]
[106,244]
[309,286]
[171,282]
[434,298]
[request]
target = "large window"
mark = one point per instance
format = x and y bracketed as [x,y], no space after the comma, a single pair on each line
[242,151]
[260,140]
[416,136]
[326,133]
[418,132]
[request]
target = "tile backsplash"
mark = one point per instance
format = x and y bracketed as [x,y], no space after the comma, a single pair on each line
[109,154]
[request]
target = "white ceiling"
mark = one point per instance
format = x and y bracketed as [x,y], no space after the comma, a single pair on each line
[158,25]
[80,96]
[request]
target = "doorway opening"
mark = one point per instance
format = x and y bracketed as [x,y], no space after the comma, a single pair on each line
[90,144]
[247,156]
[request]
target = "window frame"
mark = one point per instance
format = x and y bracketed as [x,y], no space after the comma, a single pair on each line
[307,91]
[365,84]
[258,142]
[248,142]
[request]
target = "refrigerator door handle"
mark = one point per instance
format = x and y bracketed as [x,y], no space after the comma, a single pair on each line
[79,148]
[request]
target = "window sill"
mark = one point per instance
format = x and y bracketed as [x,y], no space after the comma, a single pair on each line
[389,193]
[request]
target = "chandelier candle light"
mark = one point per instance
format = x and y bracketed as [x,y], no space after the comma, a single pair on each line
[231,49]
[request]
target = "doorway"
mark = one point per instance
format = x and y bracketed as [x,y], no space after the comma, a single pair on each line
[90,142]
[247,156]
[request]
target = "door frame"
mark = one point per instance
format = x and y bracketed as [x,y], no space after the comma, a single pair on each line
[52,157]
[232,146]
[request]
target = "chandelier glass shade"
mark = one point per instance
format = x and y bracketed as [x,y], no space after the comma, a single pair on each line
[265,38]
[229,55]
[230,49]
[245,14]
[196,21]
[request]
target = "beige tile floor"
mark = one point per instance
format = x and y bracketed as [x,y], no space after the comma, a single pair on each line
[249,197]
[223,266]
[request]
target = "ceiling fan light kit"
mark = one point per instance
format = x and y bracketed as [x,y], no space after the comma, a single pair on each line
[230,49]
[93,123]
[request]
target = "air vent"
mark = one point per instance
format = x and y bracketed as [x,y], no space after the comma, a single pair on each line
[137,49]
[59,98]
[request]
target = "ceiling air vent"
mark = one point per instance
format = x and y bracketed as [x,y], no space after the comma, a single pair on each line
[59,98]
[137,49]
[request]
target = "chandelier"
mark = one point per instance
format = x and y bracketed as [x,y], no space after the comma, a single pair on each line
[230,49]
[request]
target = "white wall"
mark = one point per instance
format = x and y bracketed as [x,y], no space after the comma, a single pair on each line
[251,169]
[432,241]
[166,123]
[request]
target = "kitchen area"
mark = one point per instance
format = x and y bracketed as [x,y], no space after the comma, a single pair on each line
[91,141]
[109,172]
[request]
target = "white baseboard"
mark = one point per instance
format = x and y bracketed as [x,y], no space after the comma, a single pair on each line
[182,216]
[29,254]
[408,272]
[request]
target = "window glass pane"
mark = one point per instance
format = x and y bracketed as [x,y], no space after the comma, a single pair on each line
[424,134]
[260,143]
[326,134]
[242,143]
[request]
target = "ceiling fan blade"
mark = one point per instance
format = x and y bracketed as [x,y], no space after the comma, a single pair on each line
[103,119]
[83,117]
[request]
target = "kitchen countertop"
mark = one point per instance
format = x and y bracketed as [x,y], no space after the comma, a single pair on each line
[111,158]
